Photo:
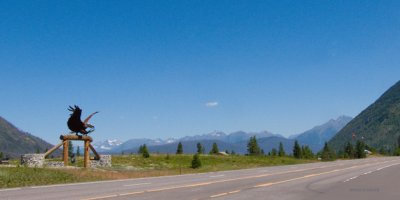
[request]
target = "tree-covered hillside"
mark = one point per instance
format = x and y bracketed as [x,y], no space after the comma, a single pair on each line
[378,125]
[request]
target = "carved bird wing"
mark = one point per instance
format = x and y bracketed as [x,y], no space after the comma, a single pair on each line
[88,118]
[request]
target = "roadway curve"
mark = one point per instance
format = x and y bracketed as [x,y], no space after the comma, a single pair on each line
[372,178]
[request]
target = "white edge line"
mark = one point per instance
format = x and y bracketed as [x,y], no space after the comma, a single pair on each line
[10,189]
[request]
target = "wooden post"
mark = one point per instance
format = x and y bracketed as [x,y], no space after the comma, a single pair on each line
[65,148]
[96,155]
[53,149]
[86,154]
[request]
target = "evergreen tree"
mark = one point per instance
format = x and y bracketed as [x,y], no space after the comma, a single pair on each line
[214,149]
[46,150]
[200,148]
[196,162]
[233,152]
[360,147]
[349,150]
[70,148]
[38,150]
[145,151]
[252,147]
[297,150]
[226,151]
[281,152]
[307,152]
[179,149]
[1,155]
[273,152]
[140,150]
[78,151]
[327,153]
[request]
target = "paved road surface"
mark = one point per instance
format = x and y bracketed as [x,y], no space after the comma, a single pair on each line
[373,178]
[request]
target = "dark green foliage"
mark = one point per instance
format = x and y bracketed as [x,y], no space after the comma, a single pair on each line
[233,152]
[397,152]
[200,148]
[273,152]
[297,150]
[145,151]
[179,149]
[281,150]
[360,147]
[327,154]
[252,147]
[349,151]
[214,149]
[378,125]
[226,151]
[306,152]
[140,150]
[70,148]
[262,152]
[196,162]
[78,151]
[37,150]
[1,155]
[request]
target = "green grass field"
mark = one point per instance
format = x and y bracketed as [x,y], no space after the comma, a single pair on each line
[135,166]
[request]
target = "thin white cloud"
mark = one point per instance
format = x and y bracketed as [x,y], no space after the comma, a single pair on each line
[211,104]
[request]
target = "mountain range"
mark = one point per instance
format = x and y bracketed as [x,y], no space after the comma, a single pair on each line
[236,141]
[378,125]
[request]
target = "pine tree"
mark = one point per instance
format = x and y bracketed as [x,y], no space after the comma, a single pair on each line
[327,153]
[360,147]
[140,150]
[273,152]
[297,150]
[252,147]
[196,162]
[1,155]
[70,148]
[349,150]
[179,149]
[214,149]
[281,152]
[307,152]
[200,148]
[145,151]
[78,151]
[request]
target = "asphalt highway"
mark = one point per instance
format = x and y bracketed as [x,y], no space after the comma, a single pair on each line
[372,178]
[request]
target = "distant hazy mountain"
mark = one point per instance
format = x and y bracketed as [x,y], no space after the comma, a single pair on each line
[317,136]
[14,142]
[165,146]
[237,141]
[135,143]
[378,125]
[229,138]
[107,145]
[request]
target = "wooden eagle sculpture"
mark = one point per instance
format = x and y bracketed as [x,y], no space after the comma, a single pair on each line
[75,123]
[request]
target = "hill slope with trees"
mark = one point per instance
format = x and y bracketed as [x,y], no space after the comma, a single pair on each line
[378,125]
[14,142]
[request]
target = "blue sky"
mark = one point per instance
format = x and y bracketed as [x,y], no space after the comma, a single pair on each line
[162,69]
